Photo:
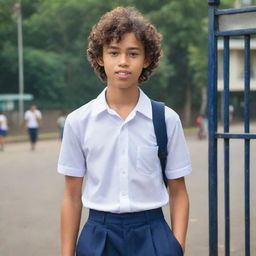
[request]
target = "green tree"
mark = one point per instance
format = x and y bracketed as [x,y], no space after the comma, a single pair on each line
[183,25]
[55,40]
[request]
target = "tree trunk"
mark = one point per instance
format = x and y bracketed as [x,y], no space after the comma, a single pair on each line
[203,101]
[187,106]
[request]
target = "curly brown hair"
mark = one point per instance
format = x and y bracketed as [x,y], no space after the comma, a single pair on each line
[112,26]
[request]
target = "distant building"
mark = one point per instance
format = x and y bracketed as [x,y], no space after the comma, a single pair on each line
[237,65]
[236,71]
[244,3]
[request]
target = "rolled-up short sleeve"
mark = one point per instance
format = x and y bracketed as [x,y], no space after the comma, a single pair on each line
[178,160]
[71,159]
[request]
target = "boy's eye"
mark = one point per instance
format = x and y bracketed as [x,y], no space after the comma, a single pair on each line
[113,53]
[133,54]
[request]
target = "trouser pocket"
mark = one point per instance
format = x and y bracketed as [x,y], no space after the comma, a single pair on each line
[91,241]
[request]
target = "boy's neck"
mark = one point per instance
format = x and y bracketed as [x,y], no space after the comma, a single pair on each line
[119,98]
[122,101]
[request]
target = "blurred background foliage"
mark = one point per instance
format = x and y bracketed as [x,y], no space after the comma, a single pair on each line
[55,35]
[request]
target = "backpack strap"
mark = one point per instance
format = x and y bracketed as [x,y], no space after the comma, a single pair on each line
[158,115]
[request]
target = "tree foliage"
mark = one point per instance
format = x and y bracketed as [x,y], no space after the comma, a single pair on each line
[55,38]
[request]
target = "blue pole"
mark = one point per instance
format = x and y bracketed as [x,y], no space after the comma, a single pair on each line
[247,142]
[226,146]
[212,116]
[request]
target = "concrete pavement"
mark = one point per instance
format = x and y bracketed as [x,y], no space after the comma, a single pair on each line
[31,191]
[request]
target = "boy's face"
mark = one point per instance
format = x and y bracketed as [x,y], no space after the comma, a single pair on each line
[123,62]
[32,107]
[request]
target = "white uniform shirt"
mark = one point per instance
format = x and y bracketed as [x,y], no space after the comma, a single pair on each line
[61,121]
[31,118]
[3,123]
[119,157]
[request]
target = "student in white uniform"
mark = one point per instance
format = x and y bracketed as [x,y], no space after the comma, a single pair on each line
[61,122]
[33,118]
[3,129]
[110,142]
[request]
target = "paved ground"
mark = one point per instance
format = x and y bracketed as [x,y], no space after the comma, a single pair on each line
[31,190]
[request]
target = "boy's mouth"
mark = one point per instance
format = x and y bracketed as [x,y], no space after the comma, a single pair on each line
[123,74]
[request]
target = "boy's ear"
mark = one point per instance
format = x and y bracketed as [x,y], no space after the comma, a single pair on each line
[100,61]
[146,63]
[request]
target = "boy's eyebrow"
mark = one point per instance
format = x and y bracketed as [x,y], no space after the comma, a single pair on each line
[112,47]
[134,48]
[129,48]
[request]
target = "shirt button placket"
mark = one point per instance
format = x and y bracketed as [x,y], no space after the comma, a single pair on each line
[124,197]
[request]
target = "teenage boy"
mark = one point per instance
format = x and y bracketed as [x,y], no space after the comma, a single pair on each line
[111,142]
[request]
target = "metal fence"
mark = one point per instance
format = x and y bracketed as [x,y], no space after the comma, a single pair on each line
[227,24]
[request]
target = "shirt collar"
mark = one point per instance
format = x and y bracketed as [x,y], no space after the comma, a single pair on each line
[100,103]
[143,105]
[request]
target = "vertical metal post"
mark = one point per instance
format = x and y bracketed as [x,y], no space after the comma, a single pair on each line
[226,145]
[212,115]
[247,142]
[18,13]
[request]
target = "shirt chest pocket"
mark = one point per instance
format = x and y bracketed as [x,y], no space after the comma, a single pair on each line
[147,160]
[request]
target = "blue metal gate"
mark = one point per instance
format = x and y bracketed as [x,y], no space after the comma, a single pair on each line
[226,24]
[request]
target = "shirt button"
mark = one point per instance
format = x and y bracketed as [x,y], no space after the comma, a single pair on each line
[123,193]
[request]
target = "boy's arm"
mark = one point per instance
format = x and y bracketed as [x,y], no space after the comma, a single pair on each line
[39,118]
[179,209]
[70,214]
[25,123]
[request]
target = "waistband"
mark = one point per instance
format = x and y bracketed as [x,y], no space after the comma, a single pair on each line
[126,218]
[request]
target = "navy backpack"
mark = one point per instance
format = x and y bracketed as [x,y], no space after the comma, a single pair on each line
[158,114]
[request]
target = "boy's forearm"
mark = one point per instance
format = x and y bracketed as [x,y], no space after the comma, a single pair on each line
[39,120]
[70,222]
[179,210]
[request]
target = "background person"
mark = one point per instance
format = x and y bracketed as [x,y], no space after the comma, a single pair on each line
[231,113]
[202,123]
[33,118]
[3,129]
[61,122]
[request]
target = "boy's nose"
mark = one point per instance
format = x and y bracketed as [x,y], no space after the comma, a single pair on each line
[123,61]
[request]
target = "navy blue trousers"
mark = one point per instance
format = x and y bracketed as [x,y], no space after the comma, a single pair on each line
[130,234]
[33,134]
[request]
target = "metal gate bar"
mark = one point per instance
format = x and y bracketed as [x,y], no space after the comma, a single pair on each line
[247,141]
[227,23]
[226,145]
[212,117]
